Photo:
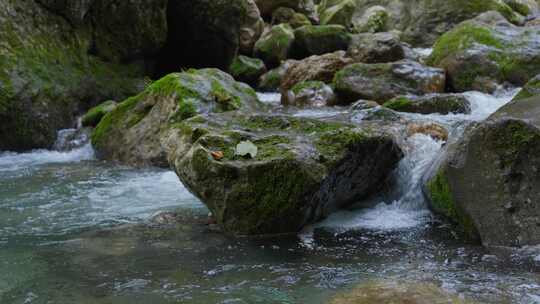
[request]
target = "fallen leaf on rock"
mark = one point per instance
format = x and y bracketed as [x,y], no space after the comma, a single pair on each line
[217,155]
[246,148]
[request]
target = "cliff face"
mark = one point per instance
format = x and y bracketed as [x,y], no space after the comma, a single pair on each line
[58,58]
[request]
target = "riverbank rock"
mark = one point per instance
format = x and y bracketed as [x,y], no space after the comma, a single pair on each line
[130,133]
[319,39]
[47,77]
[376,48]
[298,170]
[271,80]
[94,115]
[432,103]
[488,49]
[488,181]
[314,68]
[306,7]
[383,81]
[275,45]
[290,16]
[248,70]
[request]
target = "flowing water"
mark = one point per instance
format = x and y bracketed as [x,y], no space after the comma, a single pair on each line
[76,230]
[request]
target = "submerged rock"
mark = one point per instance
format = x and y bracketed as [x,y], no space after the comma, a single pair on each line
[489,179]
[485,50]
[383,81]
[431,103]
[303,168]
[131,132]
[389,292]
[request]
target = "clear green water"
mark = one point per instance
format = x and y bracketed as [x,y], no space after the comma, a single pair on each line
[77,231]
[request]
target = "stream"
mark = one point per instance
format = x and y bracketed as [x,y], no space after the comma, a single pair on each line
[74,229]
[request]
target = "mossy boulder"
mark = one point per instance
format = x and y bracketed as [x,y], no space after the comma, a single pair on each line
[487,182]
[290,16]
[319,39]
[532,88]
[274,46]
[376,48]
[383,81]
[314,68]
[487,49]
[248,70]
[303,169]
[94,115]
[375,19]
[338,12]
[48,78]
[429,104]
[310,93]
[271,80]
[131,133]
[306,7]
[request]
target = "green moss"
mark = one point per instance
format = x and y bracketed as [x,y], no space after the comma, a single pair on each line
[399,104]
[227,100]
[511,138]
[309,85]
[461,38]
[244,67]
[331,143]
[114,119]
[442,201]
[94,115]
[301,125]
[519,7]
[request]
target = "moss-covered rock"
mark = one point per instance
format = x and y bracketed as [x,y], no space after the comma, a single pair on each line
[290,16]
[487,181]
[271,80]
[319,40]
[95,114]
[310,93]
[487,49]
[47,76]
[383,81]
[338,12]
[304,168]
[275,45]
[306,7]
[314,68]
[247,69]
[375,19]
[532,88]
[376,48]
[131,132]
[431,103]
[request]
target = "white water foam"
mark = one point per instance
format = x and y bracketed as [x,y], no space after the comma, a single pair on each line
[420,150]
[270,98]
[10,161]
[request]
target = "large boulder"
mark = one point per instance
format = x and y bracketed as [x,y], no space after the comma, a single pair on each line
[290,16]
[47,77]
[206,33]
[248,70]
[314,68]
[488,49]
[319,39]
[488,181]
[310,93]
[130,133]
[532,88]
[376,48]
[383,81]
[271,80]
[297,171]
